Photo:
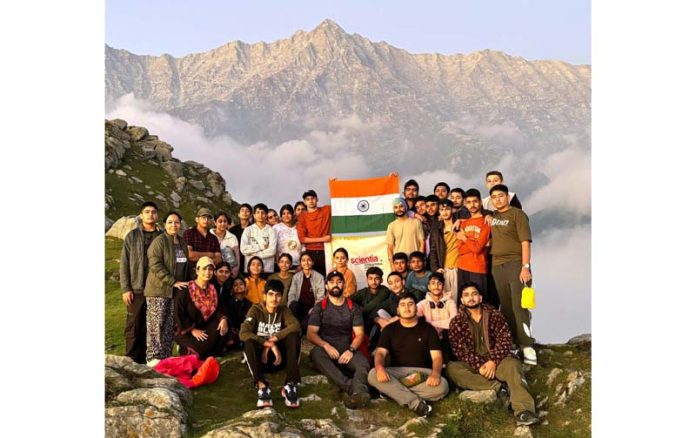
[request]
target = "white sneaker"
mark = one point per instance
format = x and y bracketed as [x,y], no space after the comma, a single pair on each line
[152,363]
[529,354]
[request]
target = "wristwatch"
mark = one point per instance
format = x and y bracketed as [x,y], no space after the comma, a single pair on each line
[351,349]
[527,265]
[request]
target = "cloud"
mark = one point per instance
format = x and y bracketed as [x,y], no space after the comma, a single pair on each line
[261,172]
[562,282]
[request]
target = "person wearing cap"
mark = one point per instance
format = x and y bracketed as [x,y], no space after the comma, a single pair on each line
[259,239]
[413,376]
[404,234]
[201,325]
[133,272]
[200,242]
[271,336]
[167,259]
[314,229]
[336,330]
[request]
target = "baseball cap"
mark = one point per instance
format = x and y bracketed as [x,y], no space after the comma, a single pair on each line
[203,212]
[334,273]
[205,261]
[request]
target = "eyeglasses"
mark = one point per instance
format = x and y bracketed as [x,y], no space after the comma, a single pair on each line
[439,305]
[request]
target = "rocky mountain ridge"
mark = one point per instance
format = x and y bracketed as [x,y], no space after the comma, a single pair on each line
[140,167]
[468,108]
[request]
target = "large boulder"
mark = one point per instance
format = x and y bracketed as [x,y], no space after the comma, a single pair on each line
[137,133]
[123,226]
[119,123]
[581,339]
[196,184]
[173,169]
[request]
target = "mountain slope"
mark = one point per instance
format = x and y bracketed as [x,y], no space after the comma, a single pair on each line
[467,108]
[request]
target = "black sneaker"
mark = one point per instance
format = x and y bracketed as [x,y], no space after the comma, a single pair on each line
[504,395]
[357,401]
[264,398]
[289,393]
[423,409]
[526,418]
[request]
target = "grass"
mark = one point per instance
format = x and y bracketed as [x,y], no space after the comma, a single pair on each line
[233,394]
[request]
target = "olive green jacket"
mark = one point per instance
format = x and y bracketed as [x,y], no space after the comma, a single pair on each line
[161,265]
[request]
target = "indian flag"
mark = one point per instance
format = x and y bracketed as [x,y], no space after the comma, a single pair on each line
[362,206]
[361,210]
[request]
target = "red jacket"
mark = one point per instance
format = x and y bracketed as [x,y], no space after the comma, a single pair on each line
[496,335]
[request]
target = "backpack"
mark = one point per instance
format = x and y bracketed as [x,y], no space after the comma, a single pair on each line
[364,344]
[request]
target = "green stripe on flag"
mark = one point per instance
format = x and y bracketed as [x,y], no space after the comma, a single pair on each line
[360,223]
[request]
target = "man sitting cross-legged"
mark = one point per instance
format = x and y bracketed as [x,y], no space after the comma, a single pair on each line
[271,336]
[336,329]
[481,340]
[414,374]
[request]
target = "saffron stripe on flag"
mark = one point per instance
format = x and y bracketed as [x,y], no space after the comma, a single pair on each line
[363,187]
[361,223]
[363,205]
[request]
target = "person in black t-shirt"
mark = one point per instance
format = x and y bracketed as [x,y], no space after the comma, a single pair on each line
[414,374]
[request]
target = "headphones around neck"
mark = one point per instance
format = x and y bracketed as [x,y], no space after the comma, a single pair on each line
[439,305]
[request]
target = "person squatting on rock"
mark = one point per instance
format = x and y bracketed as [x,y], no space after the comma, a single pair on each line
[336,330]
[481,341]
[271,336]
[201,322]
[132,274]
[167,259]
[414,374]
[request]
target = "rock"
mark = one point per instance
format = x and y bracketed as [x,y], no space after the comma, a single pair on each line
[552,376]
[115,361]
[111,171]
[125,166]
[123,226]
[115,276]
[581,339]
[137,133]
[108,223]
[137,180]
[226,198]
[568,353]
[163,151]
[119,172]
[180,183]
[208,194]
[316,379]
[237,429]
[148,151]
[160,398]
[150,137]
[310,397]
[173,169]
[175,204]
[575,380]
[544,401]
[384,432]
[169,383]
[174,196]
[217,189]
[197,184]
[115,383]
[116,132]
[321,428]
[195,164]
[542,414]
[334,412]
[202,199]
[578,411]
[161,197]
[291,432]
[412,422]
[265,414]
[523,431]
[487,396]
[142,421]
[150,192]
[119,123]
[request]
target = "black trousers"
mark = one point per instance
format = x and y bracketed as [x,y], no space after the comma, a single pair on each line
[301,311]
[319,261]
[212,346]
[289,348]
[136,328]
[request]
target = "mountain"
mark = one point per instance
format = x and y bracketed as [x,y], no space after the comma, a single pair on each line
[411,112]
[140,167]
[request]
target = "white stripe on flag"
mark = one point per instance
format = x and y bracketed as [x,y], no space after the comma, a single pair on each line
[364,205]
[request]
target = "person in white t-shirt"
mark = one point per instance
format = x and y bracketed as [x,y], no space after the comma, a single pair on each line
[286,235]
[229,245]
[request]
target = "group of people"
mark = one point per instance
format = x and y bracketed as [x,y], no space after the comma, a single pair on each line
[259,286]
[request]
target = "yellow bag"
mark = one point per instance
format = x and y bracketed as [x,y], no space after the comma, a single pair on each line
[528,298]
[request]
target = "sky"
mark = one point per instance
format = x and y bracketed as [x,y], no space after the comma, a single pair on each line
[532,29]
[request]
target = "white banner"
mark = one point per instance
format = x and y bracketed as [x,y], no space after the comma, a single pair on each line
[363,253]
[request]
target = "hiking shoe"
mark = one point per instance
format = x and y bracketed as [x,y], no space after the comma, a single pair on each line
[504,395]
[526,418]
[423,409]
[289,393]
[264,398]
[529,356]
[358,401]
[152,363]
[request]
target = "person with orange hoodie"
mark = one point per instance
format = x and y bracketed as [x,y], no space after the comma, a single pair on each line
[473,236]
